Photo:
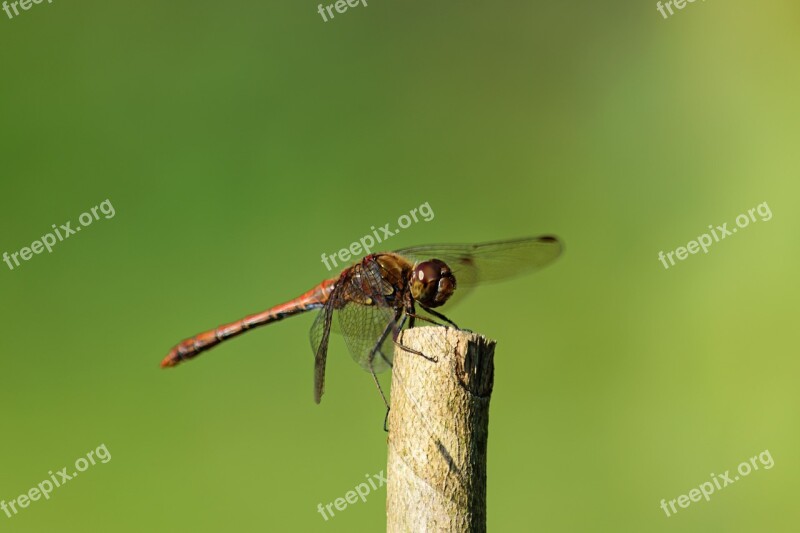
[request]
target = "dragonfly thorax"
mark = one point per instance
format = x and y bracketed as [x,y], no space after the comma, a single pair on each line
[432,283]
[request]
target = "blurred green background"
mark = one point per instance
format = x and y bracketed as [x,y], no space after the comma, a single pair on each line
[238,142]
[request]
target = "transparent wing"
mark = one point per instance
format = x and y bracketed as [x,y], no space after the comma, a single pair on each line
[320,335]
[362,327]
[488,262]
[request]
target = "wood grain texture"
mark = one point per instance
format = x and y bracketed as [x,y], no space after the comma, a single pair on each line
[438,431]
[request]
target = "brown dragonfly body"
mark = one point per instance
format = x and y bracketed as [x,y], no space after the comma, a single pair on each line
[192,347]
[378,296]
[395,271]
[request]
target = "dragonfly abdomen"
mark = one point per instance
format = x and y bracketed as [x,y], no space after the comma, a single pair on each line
[194,346]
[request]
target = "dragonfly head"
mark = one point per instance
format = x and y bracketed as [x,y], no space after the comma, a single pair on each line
[432,283]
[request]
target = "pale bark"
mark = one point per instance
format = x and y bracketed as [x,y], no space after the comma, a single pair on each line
[438,431]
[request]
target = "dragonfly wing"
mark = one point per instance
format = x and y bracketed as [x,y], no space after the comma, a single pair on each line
[362,327]
[490,261]
[320,334]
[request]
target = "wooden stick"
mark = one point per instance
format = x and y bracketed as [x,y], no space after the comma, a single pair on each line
[438,430]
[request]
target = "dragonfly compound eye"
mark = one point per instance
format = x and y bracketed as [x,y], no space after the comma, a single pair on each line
[432,283]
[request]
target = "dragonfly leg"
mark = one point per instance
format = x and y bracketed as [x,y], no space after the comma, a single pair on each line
[426,319]
[411,315]
[415,352]
[399,328]
[438,315]
[383,396]
[380,389]
[385,359]
[378,384]
[371,359]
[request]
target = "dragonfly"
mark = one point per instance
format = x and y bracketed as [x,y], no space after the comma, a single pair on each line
[373,300]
